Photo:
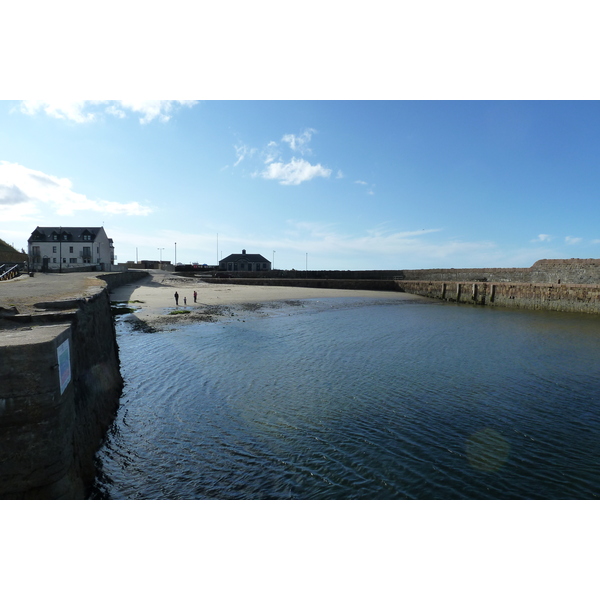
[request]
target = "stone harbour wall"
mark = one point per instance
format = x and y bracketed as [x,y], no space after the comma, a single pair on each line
[573,270]
[533,296]
[49,437]
[553,271]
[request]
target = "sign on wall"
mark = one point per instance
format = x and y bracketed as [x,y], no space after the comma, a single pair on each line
[64,365]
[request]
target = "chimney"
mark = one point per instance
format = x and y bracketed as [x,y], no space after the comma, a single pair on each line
[243,252]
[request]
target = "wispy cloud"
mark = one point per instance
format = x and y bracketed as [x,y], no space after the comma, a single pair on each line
[242,151]
[86,111]
[26,191]
[271,153]
[361,182]
[542,237]
[573,240]
[299,143]
[380,247]
[294,172]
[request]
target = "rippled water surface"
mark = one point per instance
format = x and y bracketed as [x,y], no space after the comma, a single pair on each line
[359,399]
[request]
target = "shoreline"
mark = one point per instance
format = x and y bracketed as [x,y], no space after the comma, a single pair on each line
[153,297]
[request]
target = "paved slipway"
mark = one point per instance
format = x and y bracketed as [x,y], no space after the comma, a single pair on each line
[24,292]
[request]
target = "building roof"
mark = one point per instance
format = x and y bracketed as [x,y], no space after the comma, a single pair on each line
[74,234]
[244,256]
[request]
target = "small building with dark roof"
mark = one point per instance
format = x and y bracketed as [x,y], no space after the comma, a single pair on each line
[64,248]
[244,263]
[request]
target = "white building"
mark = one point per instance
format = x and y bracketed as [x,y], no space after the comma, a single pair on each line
[64,248]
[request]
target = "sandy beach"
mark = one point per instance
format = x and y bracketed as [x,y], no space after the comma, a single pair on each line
[153,298]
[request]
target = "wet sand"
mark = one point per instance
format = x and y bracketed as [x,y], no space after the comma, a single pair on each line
[154,297]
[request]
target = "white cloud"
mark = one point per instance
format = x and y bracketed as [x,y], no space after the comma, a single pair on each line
[26,192]
[242,151]
[271,153]
[85,111]
[299,143]
[379,247]
[573,240]
[340,174]
[360,182]
[542,237]
[71,111]
[295,172]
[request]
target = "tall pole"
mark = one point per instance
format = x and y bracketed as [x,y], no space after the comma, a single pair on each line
[160,259]
[306,261]
[273,265]
[217,248]
[60,249]
[175,253]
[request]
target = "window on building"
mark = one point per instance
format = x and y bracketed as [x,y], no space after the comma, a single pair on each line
[87,254]
[54,260]
[54,249]
[87,237]
[70,249]
[54,236]
[72,260]
[35,250]
[64,260]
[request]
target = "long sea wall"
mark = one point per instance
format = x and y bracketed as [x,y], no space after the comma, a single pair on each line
[572,270]
[60,385]
[534,296]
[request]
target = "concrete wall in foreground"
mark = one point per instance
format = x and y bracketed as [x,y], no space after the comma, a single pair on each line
[49,436]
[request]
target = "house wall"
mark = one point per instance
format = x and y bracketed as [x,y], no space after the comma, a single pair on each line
[99,252]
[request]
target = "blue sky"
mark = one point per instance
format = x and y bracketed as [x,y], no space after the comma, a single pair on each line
[329,184]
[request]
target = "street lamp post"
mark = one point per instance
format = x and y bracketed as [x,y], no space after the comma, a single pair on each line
[273,265]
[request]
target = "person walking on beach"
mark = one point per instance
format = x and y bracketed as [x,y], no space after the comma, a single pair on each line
[184,301]
[176,299]
[195,295]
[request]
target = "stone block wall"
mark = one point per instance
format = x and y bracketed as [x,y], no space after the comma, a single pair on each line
[532,296]
[49,438]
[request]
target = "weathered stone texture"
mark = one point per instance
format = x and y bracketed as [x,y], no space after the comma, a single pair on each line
[560,297]
[49,439]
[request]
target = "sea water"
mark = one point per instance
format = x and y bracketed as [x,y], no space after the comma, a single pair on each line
[359,399]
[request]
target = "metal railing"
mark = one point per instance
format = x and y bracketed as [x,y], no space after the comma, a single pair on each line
[9,271]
